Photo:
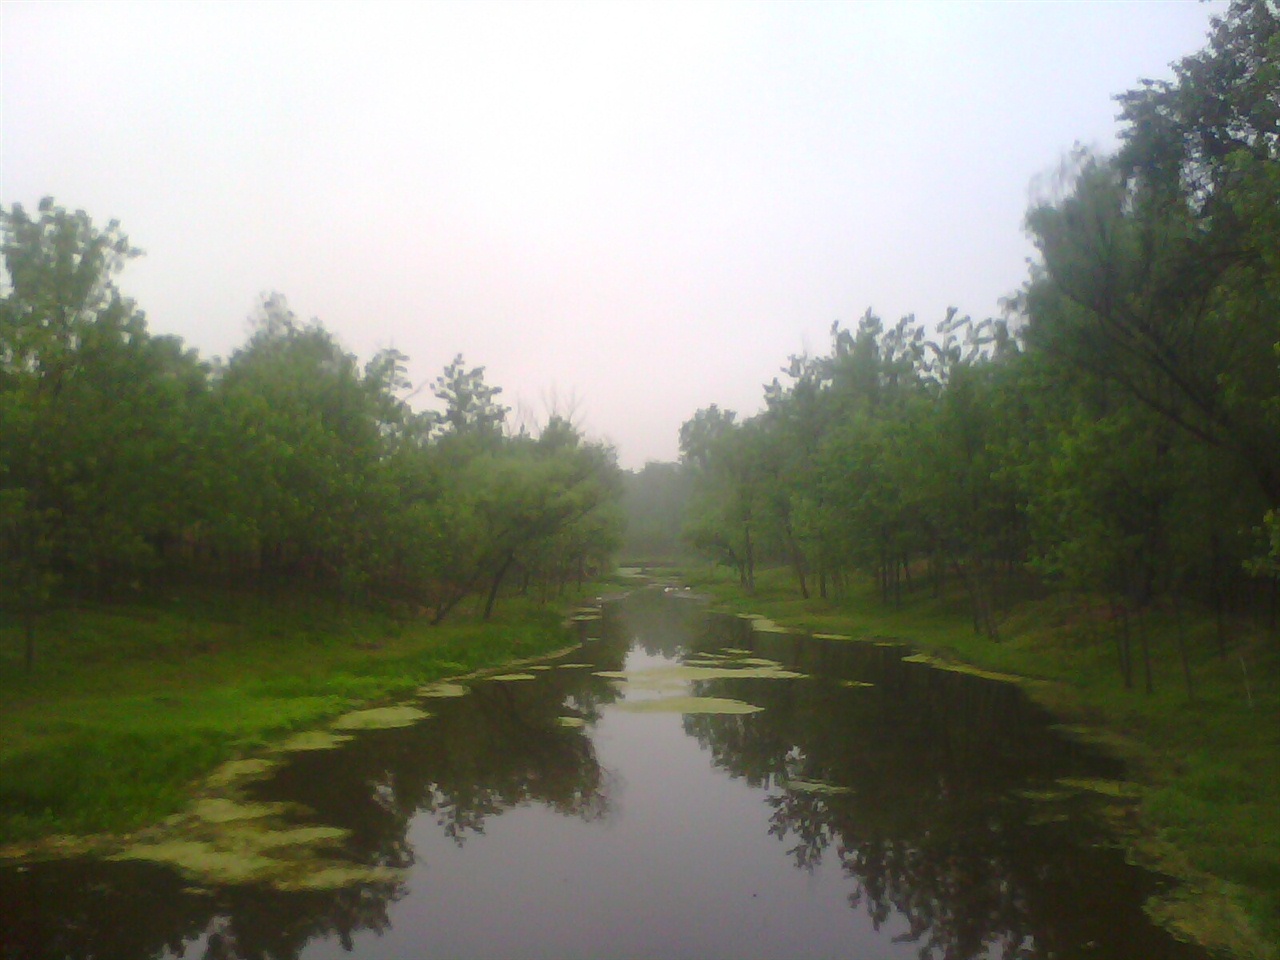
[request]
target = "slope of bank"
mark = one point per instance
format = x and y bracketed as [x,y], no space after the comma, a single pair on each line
[1205,743]
[130,704]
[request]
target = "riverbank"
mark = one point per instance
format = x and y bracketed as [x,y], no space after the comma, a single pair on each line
[1208,761]
[130,705]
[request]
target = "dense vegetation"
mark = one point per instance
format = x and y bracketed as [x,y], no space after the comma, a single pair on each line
[1093,478]
[128,464]
[1115,433]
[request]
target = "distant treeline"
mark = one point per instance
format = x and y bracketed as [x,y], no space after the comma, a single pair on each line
[1118,432]
[126,461]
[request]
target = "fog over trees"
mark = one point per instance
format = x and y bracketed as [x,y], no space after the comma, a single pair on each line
[1116,432]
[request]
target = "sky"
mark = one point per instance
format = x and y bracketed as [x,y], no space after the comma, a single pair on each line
[623,212]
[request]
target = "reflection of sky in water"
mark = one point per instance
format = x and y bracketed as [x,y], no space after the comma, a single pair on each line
[683,866]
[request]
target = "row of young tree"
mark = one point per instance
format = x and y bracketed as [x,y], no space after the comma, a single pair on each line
[126,460]
[1118,432]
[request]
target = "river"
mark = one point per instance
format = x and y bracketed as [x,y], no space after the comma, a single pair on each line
[682,785]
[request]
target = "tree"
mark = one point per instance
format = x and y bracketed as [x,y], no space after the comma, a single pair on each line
[93,414]
[471,410]
[1158,266]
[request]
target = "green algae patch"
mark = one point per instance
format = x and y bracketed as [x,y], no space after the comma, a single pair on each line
[1197,914]
[380,718]
[337,876]
[203,861]
[939,664]
[735,651]
[1046,795]
[821,787]
[574,666]
[856,684]
[832,636]
[675,677]
[689,705]
[765,625]
[1115,789]
[276,838]
[443,689]
[224,810]
[281,859]
[313,740]
[538,666]
[571,722]
[235,772]
[508,677]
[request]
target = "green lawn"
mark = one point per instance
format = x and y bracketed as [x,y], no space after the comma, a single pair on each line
[130,704]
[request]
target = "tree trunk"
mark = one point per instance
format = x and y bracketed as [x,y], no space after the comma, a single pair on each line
[497,582]
[29,654]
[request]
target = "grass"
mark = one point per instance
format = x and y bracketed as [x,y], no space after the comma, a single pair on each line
[130,704]
[1210,764]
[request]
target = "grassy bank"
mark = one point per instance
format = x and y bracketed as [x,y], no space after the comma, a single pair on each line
[1209,760]
[129,704]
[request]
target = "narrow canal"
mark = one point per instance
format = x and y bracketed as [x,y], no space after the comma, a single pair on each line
[682,785]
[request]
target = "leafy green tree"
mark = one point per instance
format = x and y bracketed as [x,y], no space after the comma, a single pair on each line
[98,418]
[471,408]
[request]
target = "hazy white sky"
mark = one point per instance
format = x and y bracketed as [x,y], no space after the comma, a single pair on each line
[643,208]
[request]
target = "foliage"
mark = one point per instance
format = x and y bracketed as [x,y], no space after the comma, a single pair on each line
[126,462]
[1115,432]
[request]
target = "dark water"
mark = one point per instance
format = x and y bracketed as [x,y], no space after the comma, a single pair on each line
[662,834]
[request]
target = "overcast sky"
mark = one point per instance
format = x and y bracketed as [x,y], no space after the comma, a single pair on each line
[631,210]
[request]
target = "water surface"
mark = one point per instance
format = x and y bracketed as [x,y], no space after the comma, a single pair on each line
[853,805]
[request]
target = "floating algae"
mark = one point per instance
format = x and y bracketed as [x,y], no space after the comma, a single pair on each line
[223,810]
[801,785]
[689,705]
[1115,789]
[443,689]
[505,677]
[234,772]
[336,876]
[855,684]
[380,718]
[314,740]
[226,841]
[1045,796]
[965,668]
[765,625]
[666,678]
[203,861]
[538,666]
[285,859]
[574,666]
[831,636]
[572,722]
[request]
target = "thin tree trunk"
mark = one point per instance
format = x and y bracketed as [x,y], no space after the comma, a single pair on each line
[497,582]
[1182,649]
[29,654]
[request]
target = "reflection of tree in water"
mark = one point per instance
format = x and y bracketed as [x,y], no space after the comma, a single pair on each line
[659,621]
[931,829]
[498,747]
[90,909]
